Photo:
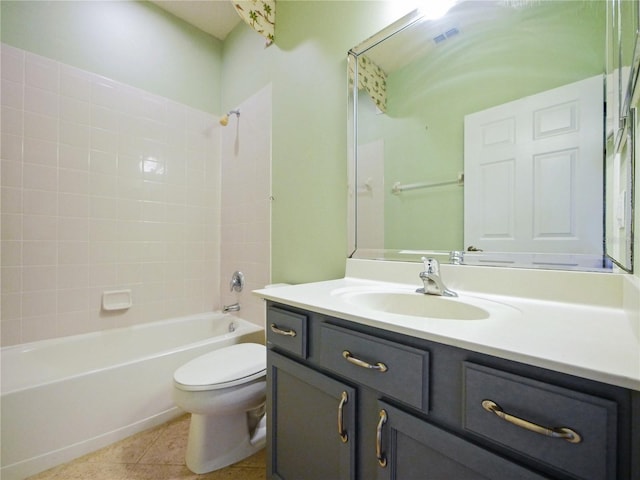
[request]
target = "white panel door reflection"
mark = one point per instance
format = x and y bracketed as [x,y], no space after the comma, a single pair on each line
[533,173]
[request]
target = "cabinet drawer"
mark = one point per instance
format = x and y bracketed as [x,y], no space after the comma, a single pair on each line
[592,419]
[393,369]
[287,331]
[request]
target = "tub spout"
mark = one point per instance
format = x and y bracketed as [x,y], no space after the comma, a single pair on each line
[234,307]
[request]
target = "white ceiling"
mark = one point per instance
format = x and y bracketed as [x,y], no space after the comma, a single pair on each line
[216,17]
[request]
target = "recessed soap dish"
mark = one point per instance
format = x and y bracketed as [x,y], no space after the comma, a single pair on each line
[116,300]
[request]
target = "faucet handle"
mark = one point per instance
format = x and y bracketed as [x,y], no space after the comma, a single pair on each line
[431,265]
[456,257]
[237,282]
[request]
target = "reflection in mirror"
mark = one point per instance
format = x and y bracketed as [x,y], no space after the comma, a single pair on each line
[482,131]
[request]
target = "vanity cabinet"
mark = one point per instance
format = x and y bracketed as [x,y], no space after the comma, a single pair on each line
[348,401]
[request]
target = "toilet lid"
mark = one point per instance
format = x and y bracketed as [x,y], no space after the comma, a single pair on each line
[223,368]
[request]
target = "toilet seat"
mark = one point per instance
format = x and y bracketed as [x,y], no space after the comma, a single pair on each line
[223,368]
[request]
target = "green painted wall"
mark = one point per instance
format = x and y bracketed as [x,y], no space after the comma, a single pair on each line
[133,42]
[307,69]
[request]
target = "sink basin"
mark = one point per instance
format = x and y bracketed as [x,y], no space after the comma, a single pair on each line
[408,302]
[418,305]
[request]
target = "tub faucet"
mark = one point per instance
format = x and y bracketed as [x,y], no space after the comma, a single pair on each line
[433,284]
[234,307]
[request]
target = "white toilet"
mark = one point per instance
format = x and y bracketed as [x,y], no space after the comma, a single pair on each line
[225,392]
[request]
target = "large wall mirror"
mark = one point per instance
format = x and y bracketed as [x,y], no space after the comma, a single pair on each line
[484,131]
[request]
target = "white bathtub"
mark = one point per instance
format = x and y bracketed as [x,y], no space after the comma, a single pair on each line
[62,398]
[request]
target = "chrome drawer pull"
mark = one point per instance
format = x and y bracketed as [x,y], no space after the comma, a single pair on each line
[344,398]
[382,460]
[555,432]
[380,367]
[286,333]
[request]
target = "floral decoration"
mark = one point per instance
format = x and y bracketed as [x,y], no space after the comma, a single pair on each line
[373,80]
[259,15]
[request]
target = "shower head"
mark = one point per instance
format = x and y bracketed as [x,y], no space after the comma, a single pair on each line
[225,118]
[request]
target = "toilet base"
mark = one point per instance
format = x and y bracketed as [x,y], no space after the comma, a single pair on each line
[216,441]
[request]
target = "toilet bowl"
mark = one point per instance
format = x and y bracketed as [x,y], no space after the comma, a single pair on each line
[225,392]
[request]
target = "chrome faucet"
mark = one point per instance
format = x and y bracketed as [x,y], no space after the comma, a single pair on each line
[433,284]
[234,307]
[456,257]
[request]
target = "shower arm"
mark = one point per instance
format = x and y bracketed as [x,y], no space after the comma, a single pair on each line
[224,120]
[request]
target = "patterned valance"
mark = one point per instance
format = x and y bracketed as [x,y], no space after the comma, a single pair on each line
[259,15]
[373,80]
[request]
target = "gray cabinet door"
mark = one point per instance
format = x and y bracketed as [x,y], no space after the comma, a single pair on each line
[412,449]
[305,412]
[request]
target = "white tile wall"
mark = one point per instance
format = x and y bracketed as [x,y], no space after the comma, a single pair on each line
[103,186]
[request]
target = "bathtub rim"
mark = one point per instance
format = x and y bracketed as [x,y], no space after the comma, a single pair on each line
[247,327]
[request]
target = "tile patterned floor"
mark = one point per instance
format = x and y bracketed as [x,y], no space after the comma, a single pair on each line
[155,454]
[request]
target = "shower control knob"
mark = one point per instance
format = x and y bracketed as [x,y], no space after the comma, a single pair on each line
[237,281]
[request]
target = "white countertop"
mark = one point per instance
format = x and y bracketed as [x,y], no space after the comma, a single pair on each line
[572,322]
